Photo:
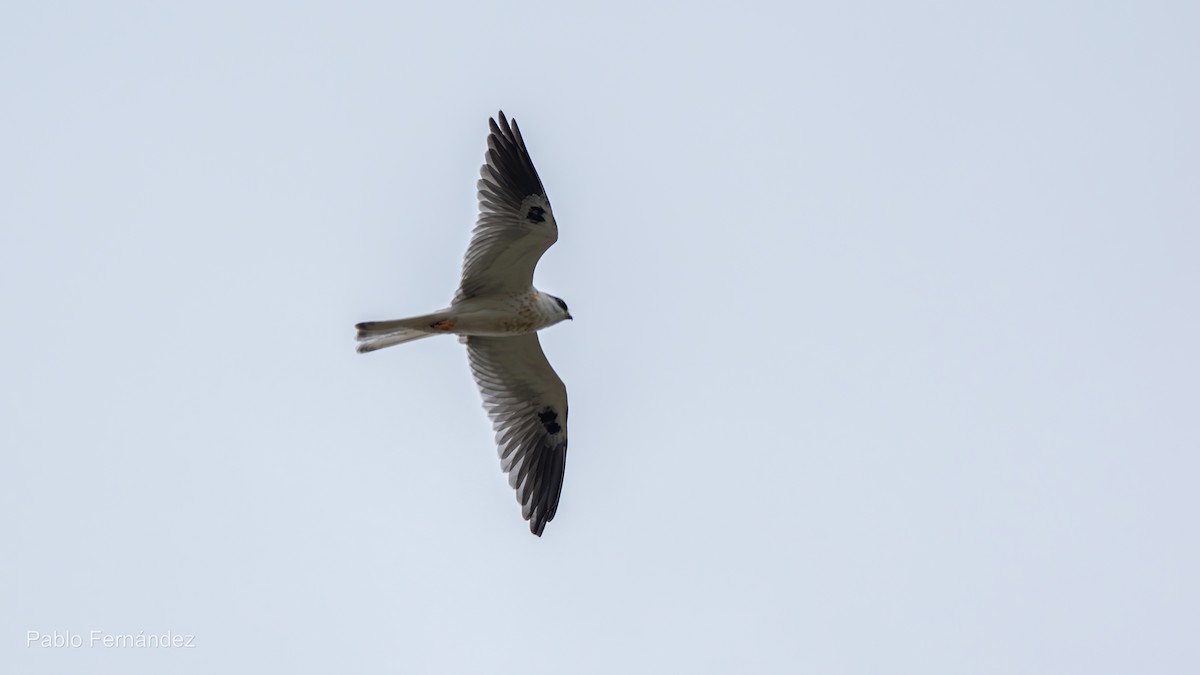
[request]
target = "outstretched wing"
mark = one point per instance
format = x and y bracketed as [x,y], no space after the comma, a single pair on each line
[528,406]
[515,225]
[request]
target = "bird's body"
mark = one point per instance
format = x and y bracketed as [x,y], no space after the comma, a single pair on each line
[497,313]
[500,315]
[510,314]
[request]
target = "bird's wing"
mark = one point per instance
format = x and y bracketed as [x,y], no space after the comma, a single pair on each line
[515,225]
[528,405]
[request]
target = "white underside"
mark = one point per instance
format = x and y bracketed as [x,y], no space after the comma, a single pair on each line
[489,316]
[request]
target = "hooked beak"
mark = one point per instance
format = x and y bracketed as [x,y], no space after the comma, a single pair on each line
[569,317]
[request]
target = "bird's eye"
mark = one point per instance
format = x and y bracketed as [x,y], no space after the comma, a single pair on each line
[562,304]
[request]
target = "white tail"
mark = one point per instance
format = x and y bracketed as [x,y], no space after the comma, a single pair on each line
[374,335]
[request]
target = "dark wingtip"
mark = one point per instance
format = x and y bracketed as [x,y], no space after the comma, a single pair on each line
[506,128]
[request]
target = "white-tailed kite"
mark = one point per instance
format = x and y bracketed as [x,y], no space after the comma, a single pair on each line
[497,313]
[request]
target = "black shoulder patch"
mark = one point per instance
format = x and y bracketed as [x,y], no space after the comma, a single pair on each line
[537,214]
[549,420]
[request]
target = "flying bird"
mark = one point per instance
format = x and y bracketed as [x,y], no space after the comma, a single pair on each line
[497,313]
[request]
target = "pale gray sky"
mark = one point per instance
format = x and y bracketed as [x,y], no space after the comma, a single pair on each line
[884,358]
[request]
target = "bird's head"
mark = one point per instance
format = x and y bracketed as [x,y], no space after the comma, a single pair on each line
[563,306]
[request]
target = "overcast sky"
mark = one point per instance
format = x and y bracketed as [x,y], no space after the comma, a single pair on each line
[884,359]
